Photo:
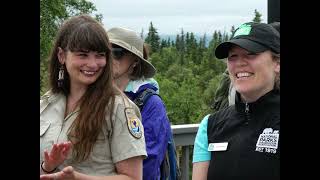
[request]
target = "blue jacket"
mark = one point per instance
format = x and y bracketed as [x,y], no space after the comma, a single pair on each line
[156,125]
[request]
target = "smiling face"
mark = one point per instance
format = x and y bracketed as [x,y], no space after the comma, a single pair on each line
[83,67]
[252,75]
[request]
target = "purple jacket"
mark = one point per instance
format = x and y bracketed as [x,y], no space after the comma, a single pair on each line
[157,131]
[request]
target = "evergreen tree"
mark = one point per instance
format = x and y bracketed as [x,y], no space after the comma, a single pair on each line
[142,34]
[178,42]
[225,37]
[182,47]
[232,30]
[202,47]
[163,44]
[203,41]
[215,40]
[193,48]
[257,16]
[173,44]
[182,42]
[153,39]
[168,42]
[188,46]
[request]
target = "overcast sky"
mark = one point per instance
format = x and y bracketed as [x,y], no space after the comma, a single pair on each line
[170,16]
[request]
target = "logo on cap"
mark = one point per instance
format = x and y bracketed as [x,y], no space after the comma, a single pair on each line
[244,29]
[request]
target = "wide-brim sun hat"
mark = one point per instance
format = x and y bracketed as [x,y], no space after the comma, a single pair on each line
[253,37]
[130,41]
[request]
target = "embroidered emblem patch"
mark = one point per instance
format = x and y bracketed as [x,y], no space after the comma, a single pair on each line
[134,124]
[244,29]
[268,141]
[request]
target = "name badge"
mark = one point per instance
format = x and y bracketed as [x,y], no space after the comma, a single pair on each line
[218,146]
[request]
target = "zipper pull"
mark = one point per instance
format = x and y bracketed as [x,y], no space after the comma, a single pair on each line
[247,108]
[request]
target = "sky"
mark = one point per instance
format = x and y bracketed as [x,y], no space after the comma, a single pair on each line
[170,16]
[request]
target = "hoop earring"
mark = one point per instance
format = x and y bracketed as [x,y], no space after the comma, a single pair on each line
[61,76]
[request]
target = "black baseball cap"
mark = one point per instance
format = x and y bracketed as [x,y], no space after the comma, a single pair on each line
[252,36]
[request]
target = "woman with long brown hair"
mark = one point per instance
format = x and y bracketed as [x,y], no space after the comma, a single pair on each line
[91,129]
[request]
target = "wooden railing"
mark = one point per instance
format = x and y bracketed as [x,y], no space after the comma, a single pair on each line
[184,136]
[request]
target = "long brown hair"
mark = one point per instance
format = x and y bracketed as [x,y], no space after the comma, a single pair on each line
[85,33]
[138,70]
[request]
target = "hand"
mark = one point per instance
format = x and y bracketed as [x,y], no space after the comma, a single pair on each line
[67,173]
[57,155]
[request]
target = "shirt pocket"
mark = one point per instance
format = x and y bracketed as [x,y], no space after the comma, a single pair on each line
[101,149]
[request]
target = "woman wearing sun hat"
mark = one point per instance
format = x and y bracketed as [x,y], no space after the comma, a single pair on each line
[133,75]
[242,140]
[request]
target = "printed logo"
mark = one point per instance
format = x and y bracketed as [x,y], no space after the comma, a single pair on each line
[268,141]
[244,29]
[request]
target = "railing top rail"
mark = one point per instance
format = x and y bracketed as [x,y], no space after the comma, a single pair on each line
[185,128]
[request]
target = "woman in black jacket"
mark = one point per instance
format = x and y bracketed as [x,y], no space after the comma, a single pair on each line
[242,141]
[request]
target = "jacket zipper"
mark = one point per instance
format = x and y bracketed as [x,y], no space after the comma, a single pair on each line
[247,113]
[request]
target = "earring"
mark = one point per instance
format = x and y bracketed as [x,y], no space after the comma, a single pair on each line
[61,76]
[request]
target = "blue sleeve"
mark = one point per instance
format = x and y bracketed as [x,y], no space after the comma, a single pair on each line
[156,130]
[200,150]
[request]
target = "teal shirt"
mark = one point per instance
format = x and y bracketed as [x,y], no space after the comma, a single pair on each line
[200,150]
[133,86]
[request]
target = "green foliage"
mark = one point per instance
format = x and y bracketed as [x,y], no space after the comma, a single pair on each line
[52,15]
[164,59]
[257,16]
[188,74]
[211,91]
[153,38]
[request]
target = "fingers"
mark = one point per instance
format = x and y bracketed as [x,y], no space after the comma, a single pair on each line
[68,173]
[53,176]
[68,143]
[46,156]
[60,147]
[58,175]
[67,147]
[58,151]
[45,177]
[68,170]
[54,149]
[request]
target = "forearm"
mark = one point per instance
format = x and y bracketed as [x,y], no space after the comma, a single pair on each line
[81,176]
[68,173]
[200,170]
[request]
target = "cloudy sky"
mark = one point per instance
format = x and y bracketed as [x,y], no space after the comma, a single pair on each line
[170,16]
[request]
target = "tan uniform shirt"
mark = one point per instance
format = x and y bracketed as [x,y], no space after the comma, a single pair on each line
[126,140]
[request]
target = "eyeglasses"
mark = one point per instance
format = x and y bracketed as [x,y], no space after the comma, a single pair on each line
[118,52]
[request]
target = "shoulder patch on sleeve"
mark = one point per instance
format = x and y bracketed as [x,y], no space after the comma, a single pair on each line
[134,124]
